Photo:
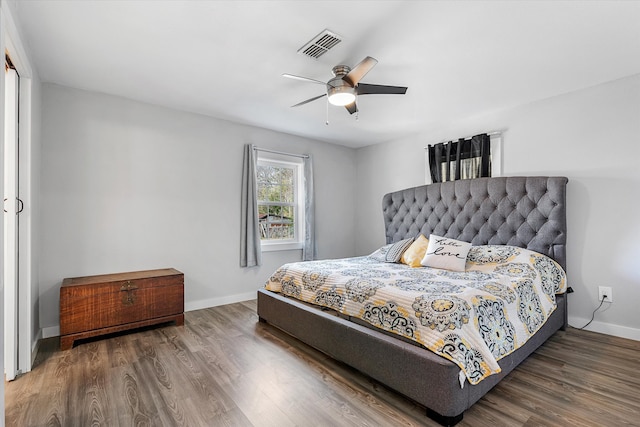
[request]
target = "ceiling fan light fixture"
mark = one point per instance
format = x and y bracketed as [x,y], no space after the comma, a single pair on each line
[340,98]
[341,95]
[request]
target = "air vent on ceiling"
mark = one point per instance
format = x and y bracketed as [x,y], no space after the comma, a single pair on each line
[320,44]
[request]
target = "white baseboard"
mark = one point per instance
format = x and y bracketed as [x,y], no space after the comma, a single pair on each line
[51,331]
[214,302]
[54,331]
[606,328]
[36,340]
[35,346]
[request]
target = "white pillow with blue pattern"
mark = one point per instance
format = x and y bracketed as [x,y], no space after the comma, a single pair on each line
[446,253]
[392,252]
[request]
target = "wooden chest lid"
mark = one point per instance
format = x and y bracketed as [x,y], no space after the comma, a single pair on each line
[119,277]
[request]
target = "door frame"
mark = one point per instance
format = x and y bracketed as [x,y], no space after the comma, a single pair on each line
[27,321]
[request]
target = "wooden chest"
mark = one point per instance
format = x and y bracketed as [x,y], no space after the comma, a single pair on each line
[97,305]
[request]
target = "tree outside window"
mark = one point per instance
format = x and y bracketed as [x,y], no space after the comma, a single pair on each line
[278,200]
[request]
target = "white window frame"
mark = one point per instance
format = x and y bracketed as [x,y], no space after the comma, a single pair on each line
[298,241]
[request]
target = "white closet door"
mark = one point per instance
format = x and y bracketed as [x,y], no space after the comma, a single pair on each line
[11,207]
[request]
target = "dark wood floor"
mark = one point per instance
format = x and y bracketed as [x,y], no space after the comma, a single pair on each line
[223,368]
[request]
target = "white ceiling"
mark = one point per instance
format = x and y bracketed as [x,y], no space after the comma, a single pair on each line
[225,58]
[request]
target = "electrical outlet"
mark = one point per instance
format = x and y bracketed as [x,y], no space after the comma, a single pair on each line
[606,293]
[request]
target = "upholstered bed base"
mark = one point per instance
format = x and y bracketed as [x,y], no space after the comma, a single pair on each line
[528,212]
[416,372]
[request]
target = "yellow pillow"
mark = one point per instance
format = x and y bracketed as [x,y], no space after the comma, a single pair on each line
[414,253]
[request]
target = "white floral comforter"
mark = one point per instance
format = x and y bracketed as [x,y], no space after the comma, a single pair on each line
[473,318]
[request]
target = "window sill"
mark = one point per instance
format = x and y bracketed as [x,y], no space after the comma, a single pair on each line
[272,247]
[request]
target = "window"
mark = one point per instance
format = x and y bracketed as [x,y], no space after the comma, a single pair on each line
[280,204]
[479,156]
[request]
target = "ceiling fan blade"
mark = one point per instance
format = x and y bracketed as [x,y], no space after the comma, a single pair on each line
[304,79]
[309,100]
[359,71]
[352,108]
[367,89]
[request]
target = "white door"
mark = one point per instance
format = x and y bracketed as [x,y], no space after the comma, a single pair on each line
[12,206]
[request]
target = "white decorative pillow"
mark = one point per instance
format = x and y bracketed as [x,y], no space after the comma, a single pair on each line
[446,253]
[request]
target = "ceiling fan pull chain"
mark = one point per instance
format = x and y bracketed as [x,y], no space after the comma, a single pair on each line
[327,121]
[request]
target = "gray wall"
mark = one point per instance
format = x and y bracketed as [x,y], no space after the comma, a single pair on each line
[130,186]
[591,136]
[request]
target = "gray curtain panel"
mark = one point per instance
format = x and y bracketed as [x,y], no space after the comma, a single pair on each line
[250,252]
[309,248]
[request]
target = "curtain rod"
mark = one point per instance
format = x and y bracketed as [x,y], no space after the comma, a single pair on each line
[302,156]
[495,132]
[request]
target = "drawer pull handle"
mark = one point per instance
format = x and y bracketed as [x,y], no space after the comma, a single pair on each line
[130,297]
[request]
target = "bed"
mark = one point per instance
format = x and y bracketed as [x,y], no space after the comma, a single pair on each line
[498,215]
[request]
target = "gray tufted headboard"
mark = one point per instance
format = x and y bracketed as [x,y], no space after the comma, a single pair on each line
[529,212]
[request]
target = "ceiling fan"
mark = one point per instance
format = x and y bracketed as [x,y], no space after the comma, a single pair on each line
[345,85]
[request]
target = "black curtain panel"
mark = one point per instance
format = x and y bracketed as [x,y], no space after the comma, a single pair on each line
[435,161]
[462,159]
